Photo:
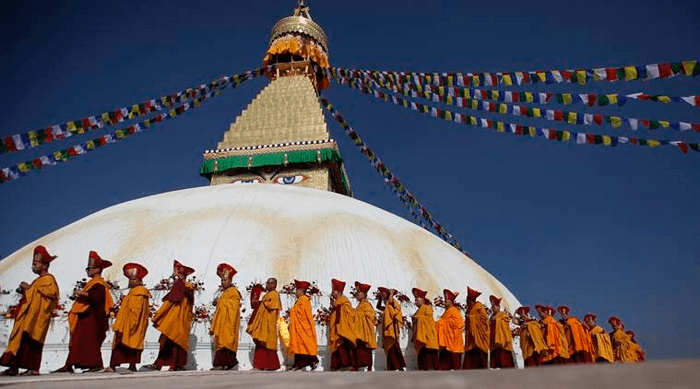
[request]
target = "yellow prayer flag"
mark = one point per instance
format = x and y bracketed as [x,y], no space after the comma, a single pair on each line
[664,123]
[472,120]
[58,156]
[441,90]
[533,131]
[105,118]
[536,112]
[134,111]
[23,167]
[581,76]
[612,98]
[90,144]
[449,101]
[449,81]
[664,99]
[502,108]
[474,103]
[566,136]
[688,66]
[500,127]
[529,97]
[33,139]
[571,117]
[630,73]
[566,98]
[425,109]
[507,80]
[475,80]
[405,103]
[615,121]
[653,143]
[607,140]
[427,79]
[542,76]
[494,95]
[419,88]
[448,116]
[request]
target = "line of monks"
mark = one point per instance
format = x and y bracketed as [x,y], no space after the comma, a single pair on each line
[481,335]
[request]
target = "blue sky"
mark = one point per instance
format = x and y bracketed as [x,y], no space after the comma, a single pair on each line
[604,230]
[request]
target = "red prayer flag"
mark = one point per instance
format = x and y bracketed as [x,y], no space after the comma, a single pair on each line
[548,97]
[526,78]
[592,99]
[611,74]
[697,101]
[633,141]
[48,134]
[665,71]
[494,80]
[590,139]
[466,80]
[523,110]
[645,122]
[643,97]
[37,163]
[86,123]
[558,115]
[10,143]
[484,94]
[696,127]
[72,152]
[598,119]
[492,107]
[683,147]
[519,129]
[566,75]
[553,134]
[516,97]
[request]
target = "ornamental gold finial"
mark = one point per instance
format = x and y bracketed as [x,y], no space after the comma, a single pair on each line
[302,9]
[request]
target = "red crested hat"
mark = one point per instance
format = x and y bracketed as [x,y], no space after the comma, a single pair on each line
[94,260]
[132,269]
[523,310]
[591,316]
[338,285]
[540,308]
[551,310]
[383,289]
[302,284]
[182,269]
[614,320]
[563,309]
[225,270]
[472,294]
[450,295]
[419,293]
[630,333]
[364,288]
[44,256]
[495,300]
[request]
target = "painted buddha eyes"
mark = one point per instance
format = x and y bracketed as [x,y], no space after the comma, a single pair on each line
[248,181]
[289,180]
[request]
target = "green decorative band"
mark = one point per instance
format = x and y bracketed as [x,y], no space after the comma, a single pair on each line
[271,159]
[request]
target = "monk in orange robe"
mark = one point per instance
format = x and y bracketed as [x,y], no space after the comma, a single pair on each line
[449,329]
[131,322]
[501,336]
[226,322]
[641,355]
[554,336]
[424,332]
[392,321]
[365,327]
[341,333]
[32,318]
[602,345]
[174,320]
[89,319]
[580,345]
[477,337]
[302,330]
[532,343]
[623,349]
[263,328]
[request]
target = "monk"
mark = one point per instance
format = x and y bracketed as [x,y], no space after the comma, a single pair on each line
[341,333]
[302,330]
[501,336]
[477,337]
[131,322]
[174,320]
[641,355]
[365,327]
[602,346]
[226,322]
[263,328]
[424,333]
[392,321]
[580,345]
[558,348]
[32,318]
[89,319]
[623,348]
[449,329]
[532,343]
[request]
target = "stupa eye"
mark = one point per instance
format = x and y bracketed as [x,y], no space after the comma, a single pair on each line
[290,180]
[247,181]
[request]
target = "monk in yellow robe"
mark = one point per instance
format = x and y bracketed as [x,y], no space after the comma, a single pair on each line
[365,327]
[131,322]
[501,336]
[641,355]
[392,321]
[558,352]
[478,335]
[449,329]
[226,323]
[32,318]
[302,330]
[580,345]
[623,349]
[263,328]
[532,343]
[424,333]
[89,319]
[602,345]
[174,320]
[341,332]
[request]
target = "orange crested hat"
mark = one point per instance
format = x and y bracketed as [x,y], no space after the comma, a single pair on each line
[495,300]
[225,270]
[590,316]
[132,269]
[450,295]
[364,288]
[43,255]
[302,284]
[419,293]
[472,294]
[182,269]
[338,285]
[564,309]
[94,260]
[614,320]
[523,310]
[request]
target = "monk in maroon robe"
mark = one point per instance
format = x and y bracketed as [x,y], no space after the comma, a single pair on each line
[88,319]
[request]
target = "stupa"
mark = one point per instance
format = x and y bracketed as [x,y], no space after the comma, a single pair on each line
[279,205]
